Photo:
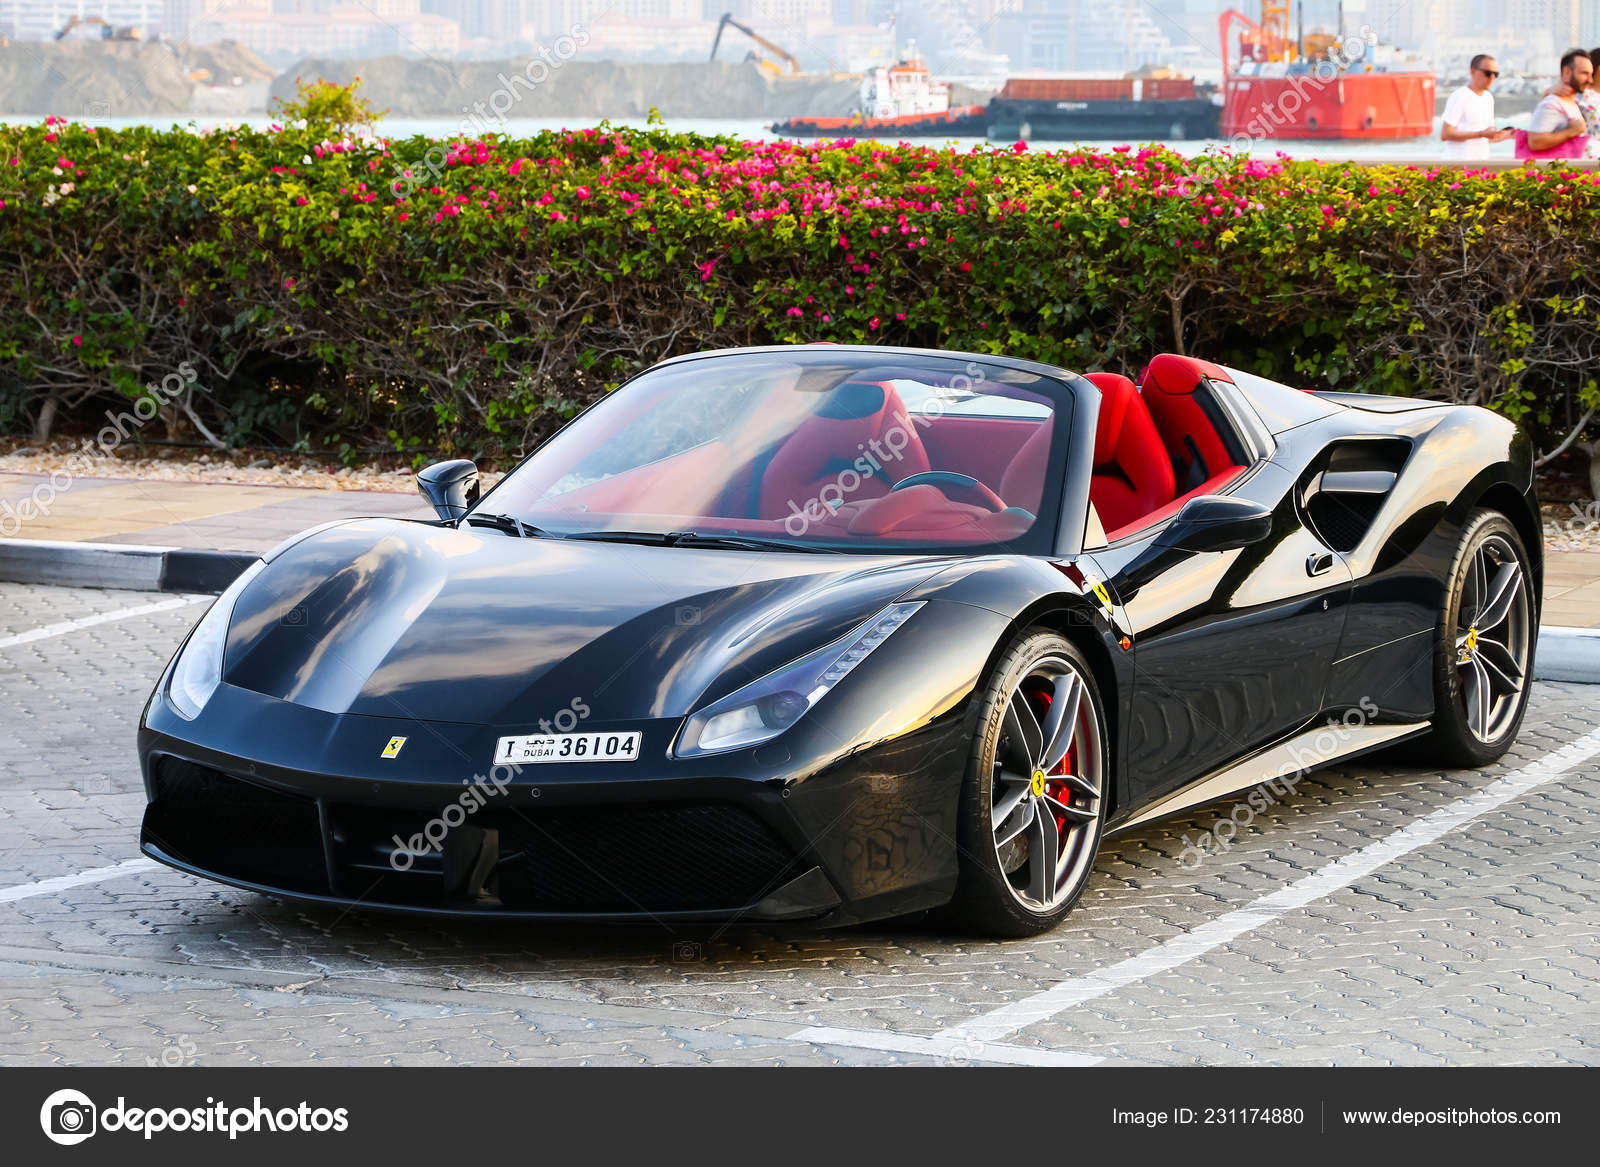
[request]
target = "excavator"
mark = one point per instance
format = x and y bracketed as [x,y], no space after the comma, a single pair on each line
[108,31]
[765,64]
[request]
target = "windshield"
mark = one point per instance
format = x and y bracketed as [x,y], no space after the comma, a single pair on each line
[852,449]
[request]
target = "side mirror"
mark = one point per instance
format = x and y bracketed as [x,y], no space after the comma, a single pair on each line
[452,487]
[1216,522]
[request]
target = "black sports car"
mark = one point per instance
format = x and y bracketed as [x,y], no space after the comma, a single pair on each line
[831,634]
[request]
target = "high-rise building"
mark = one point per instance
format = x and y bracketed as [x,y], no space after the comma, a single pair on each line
[42,19]
[1589,23]
[496,20]
[1101,36]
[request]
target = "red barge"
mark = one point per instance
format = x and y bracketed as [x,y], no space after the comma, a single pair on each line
[1319,86]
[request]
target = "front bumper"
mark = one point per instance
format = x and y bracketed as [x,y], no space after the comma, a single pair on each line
[677,860]
[801,830]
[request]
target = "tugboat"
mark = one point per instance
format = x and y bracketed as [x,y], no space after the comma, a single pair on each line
[1319,86]
[897,101]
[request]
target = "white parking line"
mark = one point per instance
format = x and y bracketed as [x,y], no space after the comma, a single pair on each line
[44,887]
[66,626]
[951,1048]
[1074,991]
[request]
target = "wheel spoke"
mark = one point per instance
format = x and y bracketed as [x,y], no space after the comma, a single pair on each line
[1479,698]
[1500,666]
[1080,784]
[1471,593]
[1503,593]
[1046,854]
[1076,813]
[1061,724]
[1007,802]
[1024,821]
[1023,728]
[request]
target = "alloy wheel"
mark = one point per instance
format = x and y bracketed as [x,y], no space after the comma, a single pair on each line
[1048,779]
[1493,638]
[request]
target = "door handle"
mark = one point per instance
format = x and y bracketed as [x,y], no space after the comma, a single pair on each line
[1319,562]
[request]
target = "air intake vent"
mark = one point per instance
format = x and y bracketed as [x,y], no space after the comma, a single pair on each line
[1347,486]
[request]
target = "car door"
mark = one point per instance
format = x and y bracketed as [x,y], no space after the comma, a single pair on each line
[1231,649]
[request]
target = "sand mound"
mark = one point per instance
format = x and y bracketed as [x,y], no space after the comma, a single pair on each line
[529,88]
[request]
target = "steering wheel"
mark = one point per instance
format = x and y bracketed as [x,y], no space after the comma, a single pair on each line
[943,478]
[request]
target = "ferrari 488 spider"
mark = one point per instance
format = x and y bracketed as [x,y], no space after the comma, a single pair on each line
[831,634]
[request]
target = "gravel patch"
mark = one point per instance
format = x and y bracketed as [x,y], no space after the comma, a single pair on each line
[236,467]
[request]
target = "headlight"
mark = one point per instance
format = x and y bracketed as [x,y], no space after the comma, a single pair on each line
[766,707]
[198,670]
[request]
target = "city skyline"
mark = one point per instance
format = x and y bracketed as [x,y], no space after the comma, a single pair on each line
[1033,36]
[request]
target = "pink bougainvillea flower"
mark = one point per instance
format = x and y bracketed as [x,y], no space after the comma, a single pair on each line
[289,283]
[1123,221]
[77,341]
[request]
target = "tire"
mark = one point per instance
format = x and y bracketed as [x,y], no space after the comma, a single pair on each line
[1002,891]
[1483,645]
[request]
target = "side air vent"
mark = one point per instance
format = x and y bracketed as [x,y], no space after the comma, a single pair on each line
[1347,486]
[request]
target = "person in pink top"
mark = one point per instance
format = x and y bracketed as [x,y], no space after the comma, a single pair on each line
[1589,103]
[1558,128]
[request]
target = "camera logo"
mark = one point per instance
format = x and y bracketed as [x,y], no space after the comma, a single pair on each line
[68,1117]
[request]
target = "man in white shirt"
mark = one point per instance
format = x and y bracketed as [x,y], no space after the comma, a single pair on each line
[1469,114]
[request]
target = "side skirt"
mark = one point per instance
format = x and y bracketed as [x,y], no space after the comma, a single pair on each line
[1299,754]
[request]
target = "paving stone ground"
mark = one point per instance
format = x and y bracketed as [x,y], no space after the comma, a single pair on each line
[1482,947]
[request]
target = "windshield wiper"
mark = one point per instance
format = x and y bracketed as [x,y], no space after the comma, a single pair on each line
[510,524]
[695,539]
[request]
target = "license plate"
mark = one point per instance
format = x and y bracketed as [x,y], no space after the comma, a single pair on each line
[567,747]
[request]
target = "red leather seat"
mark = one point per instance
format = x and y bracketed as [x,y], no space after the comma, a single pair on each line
[827,445]
[1132,473]
[1022,485]
[1197,451]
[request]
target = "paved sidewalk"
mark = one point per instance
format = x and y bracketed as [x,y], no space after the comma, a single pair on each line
[223,517]
[199,515]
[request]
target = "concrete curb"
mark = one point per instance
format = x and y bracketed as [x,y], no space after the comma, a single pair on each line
[1568,654]
[1564,654]
[119,565]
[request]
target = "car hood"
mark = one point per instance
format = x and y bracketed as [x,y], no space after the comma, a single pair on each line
[392,618]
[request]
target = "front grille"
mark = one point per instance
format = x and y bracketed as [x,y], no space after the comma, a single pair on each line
[631,859]
[237,829]
[600,859]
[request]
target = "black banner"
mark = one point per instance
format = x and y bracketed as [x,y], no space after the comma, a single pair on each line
[460,1115]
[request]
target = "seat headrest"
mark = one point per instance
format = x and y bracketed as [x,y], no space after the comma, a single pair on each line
[1117,394]
[854,400]
[1178,376]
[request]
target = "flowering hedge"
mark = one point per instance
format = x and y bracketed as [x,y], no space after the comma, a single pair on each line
[469,295]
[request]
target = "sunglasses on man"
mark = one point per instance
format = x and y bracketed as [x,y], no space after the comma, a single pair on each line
[1489,73]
